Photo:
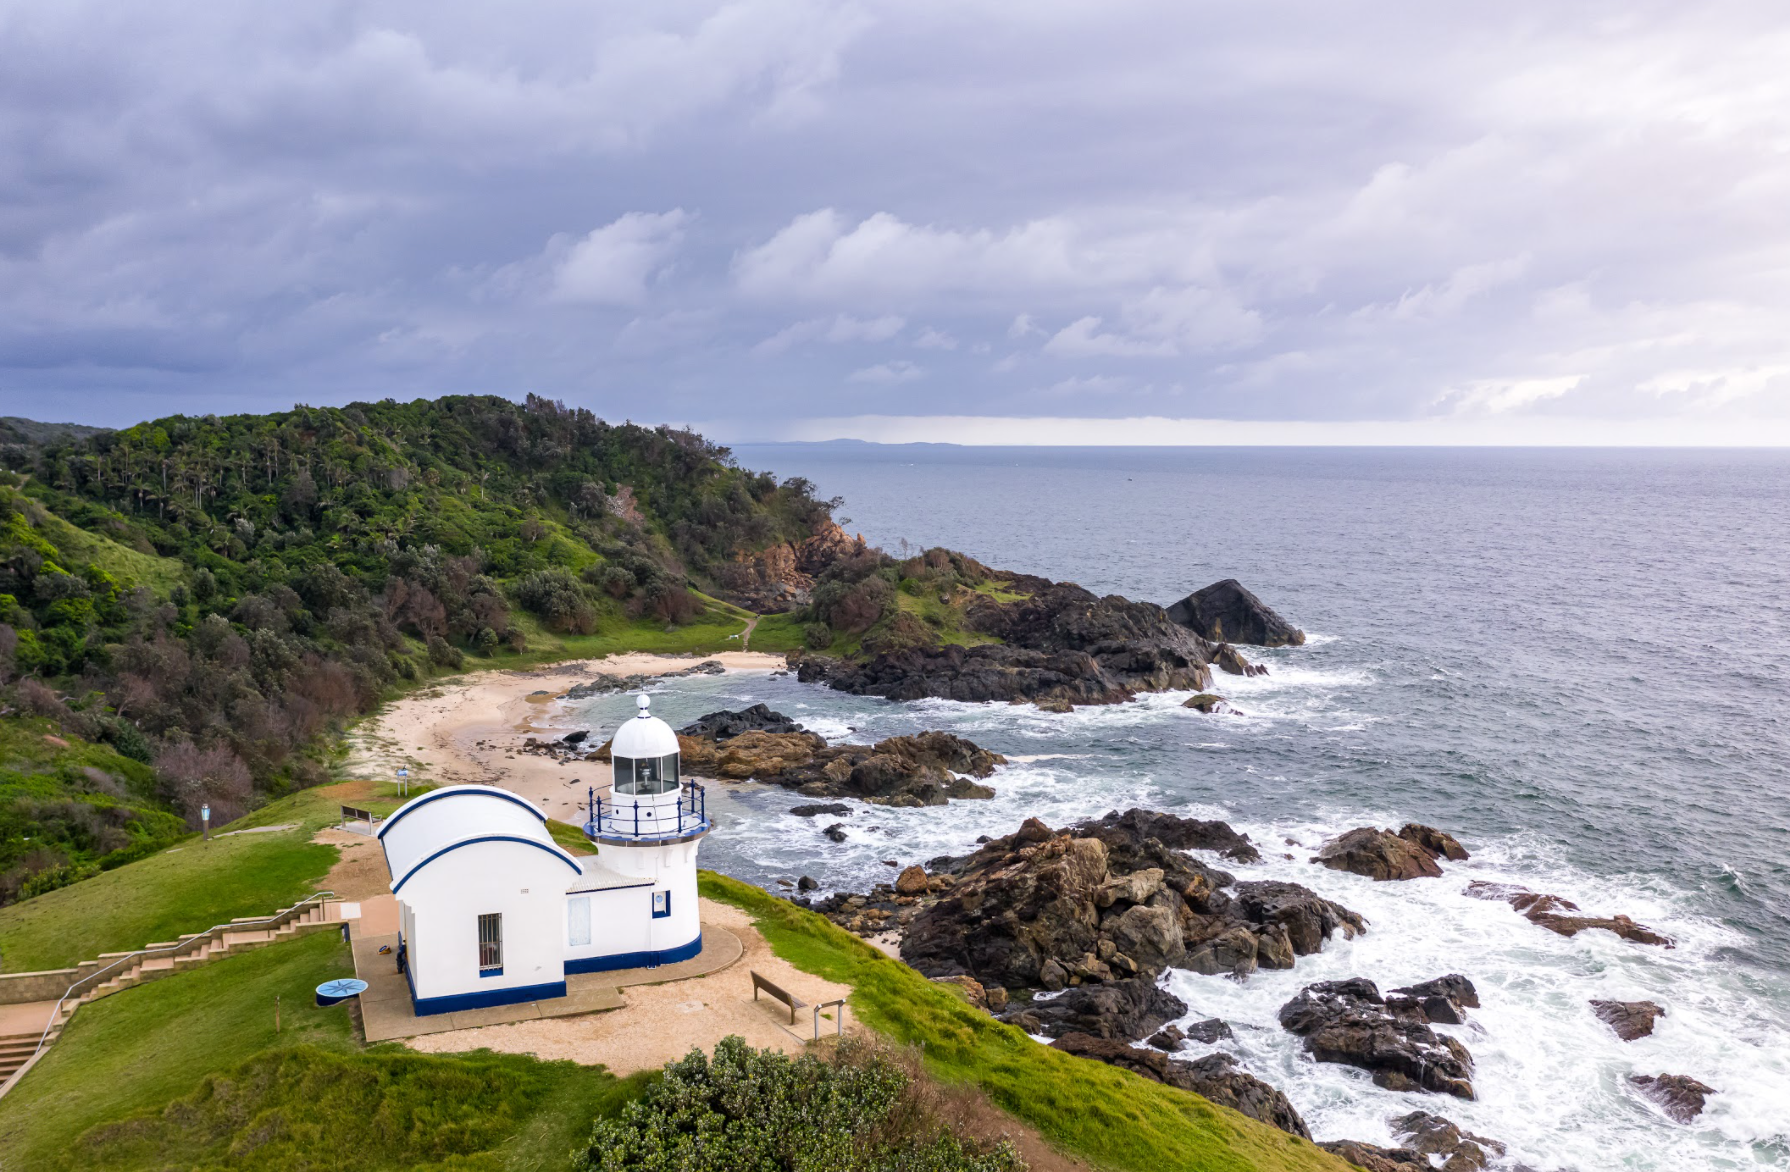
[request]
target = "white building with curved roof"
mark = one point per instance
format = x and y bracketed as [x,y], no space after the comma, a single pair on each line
[492,911]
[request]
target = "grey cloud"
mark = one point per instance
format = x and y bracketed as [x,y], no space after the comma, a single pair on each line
[729,210]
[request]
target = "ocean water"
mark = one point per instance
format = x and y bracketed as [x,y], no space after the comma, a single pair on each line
[1576,661]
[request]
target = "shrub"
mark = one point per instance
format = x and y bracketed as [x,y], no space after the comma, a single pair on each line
[817,636]
[557,597]
[760,1109]
[444,654]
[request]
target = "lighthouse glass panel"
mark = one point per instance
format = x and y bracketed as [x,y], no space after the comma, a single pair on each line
[644,776]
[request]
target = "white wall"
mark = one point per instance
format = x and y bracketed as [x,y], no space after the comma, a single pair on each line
[672,868]
[447,896]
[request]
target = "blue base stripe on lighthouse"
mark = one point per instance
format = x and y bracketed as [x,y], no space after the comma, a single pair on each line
[635,960]
[426,1006]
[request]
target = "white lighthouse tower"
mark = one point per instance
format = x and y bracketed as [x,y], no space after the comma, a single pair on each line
[646,825]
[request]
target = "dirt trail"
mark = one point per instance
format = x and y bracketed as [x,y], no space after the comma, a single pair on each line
[746,635]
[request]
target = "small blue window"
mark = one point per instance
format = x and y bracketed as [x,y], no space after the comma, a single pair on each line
[661,904]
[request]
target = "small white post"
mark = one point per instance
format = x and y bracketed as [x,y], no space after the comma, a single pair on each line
[205,821]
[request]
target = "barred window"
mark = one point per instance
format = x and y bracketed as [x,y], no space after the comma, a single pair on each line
[491,942]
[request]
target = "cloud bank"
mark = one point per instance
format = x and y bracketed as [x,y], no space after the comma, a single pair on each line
[783,216]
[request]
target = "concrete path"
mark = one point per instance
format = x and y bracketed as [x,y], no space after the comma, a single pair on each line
[25,1017]
[386,1011]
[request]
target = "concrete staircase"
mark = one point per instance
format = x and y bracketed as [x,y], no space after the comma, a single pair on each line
[15,1051]
[119,971]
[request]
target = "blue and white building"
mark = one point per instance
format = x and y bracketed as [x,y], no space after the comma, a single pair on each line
[492,911]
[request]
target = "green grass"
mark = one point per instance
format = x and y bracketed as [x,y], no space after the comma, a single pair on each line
[570,837]
[616,634]
[1107,1116]
[188,1072]
[943,619]
[778,634]
[186,888]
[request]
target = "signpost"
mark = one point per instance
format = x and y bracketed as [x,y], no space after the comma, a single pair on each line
[205,820]
[403,782]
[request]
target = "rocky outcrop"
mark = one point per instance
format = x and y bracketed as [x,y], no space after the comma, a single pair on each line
[780,577]
[1131,1008]
[726,724]
[1444,999]
[1210,703]
[1350,1022]
[926,769]
[1383,855]
[1227,612]
[1378,1159]
[1058,644]
[1555,913]
[1679,1096]
[1112,899]
[1432,1135]
[604,685]
[1230,661]
[1215,1077]
[1630,1019]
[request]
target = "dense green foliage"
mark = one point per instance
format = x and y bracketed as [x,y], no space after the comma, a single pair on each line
[69,809]
[190,1073]
[1111,1117]
[763,1110]
[213,595]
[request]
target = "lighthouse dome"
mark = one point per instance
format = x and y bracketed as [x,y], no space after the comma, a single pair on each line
[645,754]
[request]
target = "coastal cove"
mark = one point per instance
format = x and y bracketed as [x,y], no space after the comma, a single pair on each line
[1605,732]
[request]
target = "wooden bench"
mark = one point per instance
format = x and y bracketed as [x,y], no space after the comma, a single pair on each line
[788,999]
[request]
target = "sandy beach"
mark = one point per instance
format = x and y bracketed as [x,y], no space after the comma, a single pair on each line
[468,730]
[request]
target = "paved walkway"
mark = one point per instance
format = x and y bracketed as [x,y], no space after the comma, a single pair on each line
[25,1017]
[386,1012]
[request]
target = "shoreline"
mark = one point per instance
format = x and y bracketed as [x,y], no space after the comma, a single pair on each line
[466,730]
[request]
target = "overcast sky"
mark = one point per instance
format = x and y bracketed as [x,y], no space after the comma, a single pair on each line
[910,220]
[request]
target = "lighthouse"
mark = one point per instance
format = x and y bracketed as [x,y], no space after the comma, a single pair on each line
[646,825]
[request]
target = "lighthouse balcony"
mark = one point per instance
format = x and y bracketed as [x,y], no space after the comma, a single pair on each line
[624,818]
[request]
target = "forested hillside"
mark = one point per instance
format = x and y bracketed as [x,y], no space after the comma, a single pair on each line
[209,596]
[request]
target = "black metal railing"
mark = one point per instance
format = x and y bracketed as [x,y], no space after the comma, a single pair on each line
[612,817]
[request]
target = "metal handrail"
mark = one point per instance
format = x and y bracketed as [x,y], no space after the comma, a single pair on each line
[606,815]
[278,920]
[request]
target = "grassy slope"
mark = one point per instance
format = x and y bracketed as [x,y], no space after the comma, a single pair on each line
[186,888]
[1107,1116]
[308,1097]
[82,547]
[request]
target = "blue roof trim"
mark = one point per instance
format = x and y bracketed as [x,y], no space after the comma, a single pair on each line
[557,853]
[455,791]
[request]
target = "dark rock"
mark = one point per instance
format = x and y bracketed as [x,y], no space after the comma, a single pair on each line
[1229,660]
[723,725]
[1378,854]
[1207,702]
[1209,1031]
[1444,1000]
[1436,842]
[1182,834]
[836,832]
[1106,900]
[1214,1077]
[926,769]
[1349,1022]
[1679,1096]
[1630,1019]
[1377,1159]
[1131,1008]
[1059,645]
[1309,919]
[837,809]
[575,738]
[1228,612]
[806,884]
[1550,912]
[1169,1038]
[605,685]
[1432,1135]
